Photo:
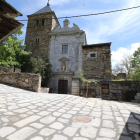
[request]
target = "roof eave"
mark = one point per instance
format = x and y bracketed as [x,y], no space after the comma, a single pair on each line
[39,14]
[97,45]
[17,12]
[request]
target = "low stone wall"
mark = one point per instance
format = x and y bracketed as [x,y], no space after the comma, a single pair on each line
[9,70]
[26,81]
[117,90]
[88,89]
[120,76]
[120,90]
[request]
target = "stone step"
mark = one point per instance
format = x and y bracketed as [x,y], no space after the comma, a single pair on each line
[135,101]
[137,97]
[106,97]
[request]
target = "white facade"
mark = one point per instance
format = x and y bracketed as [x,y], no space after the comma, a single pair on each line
[66,53]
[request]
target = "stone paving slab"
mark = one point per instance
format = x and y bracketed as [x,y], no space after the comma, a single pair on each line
[26,115]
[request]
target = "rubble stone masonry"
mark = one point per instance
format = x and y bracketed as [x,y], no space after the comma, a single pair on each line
[37,39]
[26,81]
[98,67]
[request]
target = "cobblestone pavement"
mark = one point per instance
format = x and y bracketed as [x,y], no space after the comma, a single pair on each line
[26,115]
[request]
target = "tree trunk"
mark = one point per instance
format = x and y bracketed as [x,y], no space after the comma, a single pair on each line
[14,68]
[87,91]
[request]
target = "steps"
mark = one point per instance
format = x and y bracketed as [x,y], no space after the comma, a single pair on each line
[137,98]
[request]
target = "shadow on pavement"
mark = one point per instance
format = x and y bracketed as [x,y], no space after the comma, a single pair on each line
[132,128]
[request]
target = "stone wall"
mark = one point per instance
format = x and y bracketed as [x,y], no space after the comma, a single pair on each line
[120,76]
[98,67]
[9,70]
[22,80]
[120,90]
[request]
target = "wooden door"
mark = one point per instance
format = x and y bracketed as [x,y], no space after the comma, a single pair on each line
[63,86]
[105,89]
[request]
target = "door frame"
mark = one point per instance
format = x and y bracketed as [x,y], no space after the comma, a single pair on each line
[65,79]
[102,89]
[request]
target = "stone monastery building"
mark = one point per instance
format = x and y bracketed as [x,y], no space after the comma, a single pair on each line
[67,50]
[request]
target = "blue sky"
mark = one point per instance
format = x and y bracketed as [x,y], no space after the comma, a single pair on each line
[121,28]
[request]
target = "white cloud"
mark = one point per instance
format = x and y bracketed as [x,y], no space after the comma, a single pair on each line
[120,24]
[117,56]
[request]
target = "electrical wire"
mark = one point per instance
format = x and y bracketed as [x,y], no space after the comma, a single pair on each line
[93,14]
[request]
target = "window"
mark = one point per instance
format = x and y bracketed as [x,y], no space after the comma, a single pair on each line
[64,49]
[37,40]
[93,55]
[37,22]
[43,22]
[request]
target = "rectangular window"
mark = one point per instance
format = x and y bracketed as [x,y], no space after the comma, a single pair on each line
[37,22]
[37,40]
[43,22]
[64,49]
[93,55]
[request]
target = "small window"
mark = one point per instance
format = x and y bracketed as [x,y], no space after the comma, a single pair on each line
[37,40]
[37,22]
[43,22]
[93,55]
[64,49]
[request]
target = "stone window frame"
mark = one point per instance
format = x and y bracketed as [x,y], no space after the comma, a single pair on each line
[89,55]
[65,44]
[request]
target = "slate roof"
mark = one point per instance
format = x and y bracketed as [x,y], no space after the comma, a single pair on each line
[46,9]
[99,45]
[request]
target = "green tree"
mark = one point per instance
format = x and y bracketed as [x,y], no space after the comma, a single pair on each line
[136,65]
[12,51]
[38,66]
[124,66]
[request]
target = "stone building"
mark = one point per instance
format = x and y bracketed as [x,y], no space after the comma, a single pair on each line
[96,62]
[66,55]
[67,50]
[40,24]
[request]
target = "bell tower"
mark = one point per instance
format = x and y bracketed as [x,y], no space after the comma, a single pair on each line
[40,24]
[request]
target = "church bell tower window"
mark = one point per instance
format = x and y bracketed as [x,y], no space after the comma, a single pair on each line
[43,22]
[37,40]
[37,22]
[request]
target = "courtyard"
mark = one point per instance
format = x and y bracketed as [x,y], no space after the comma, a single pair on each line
[26,115]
